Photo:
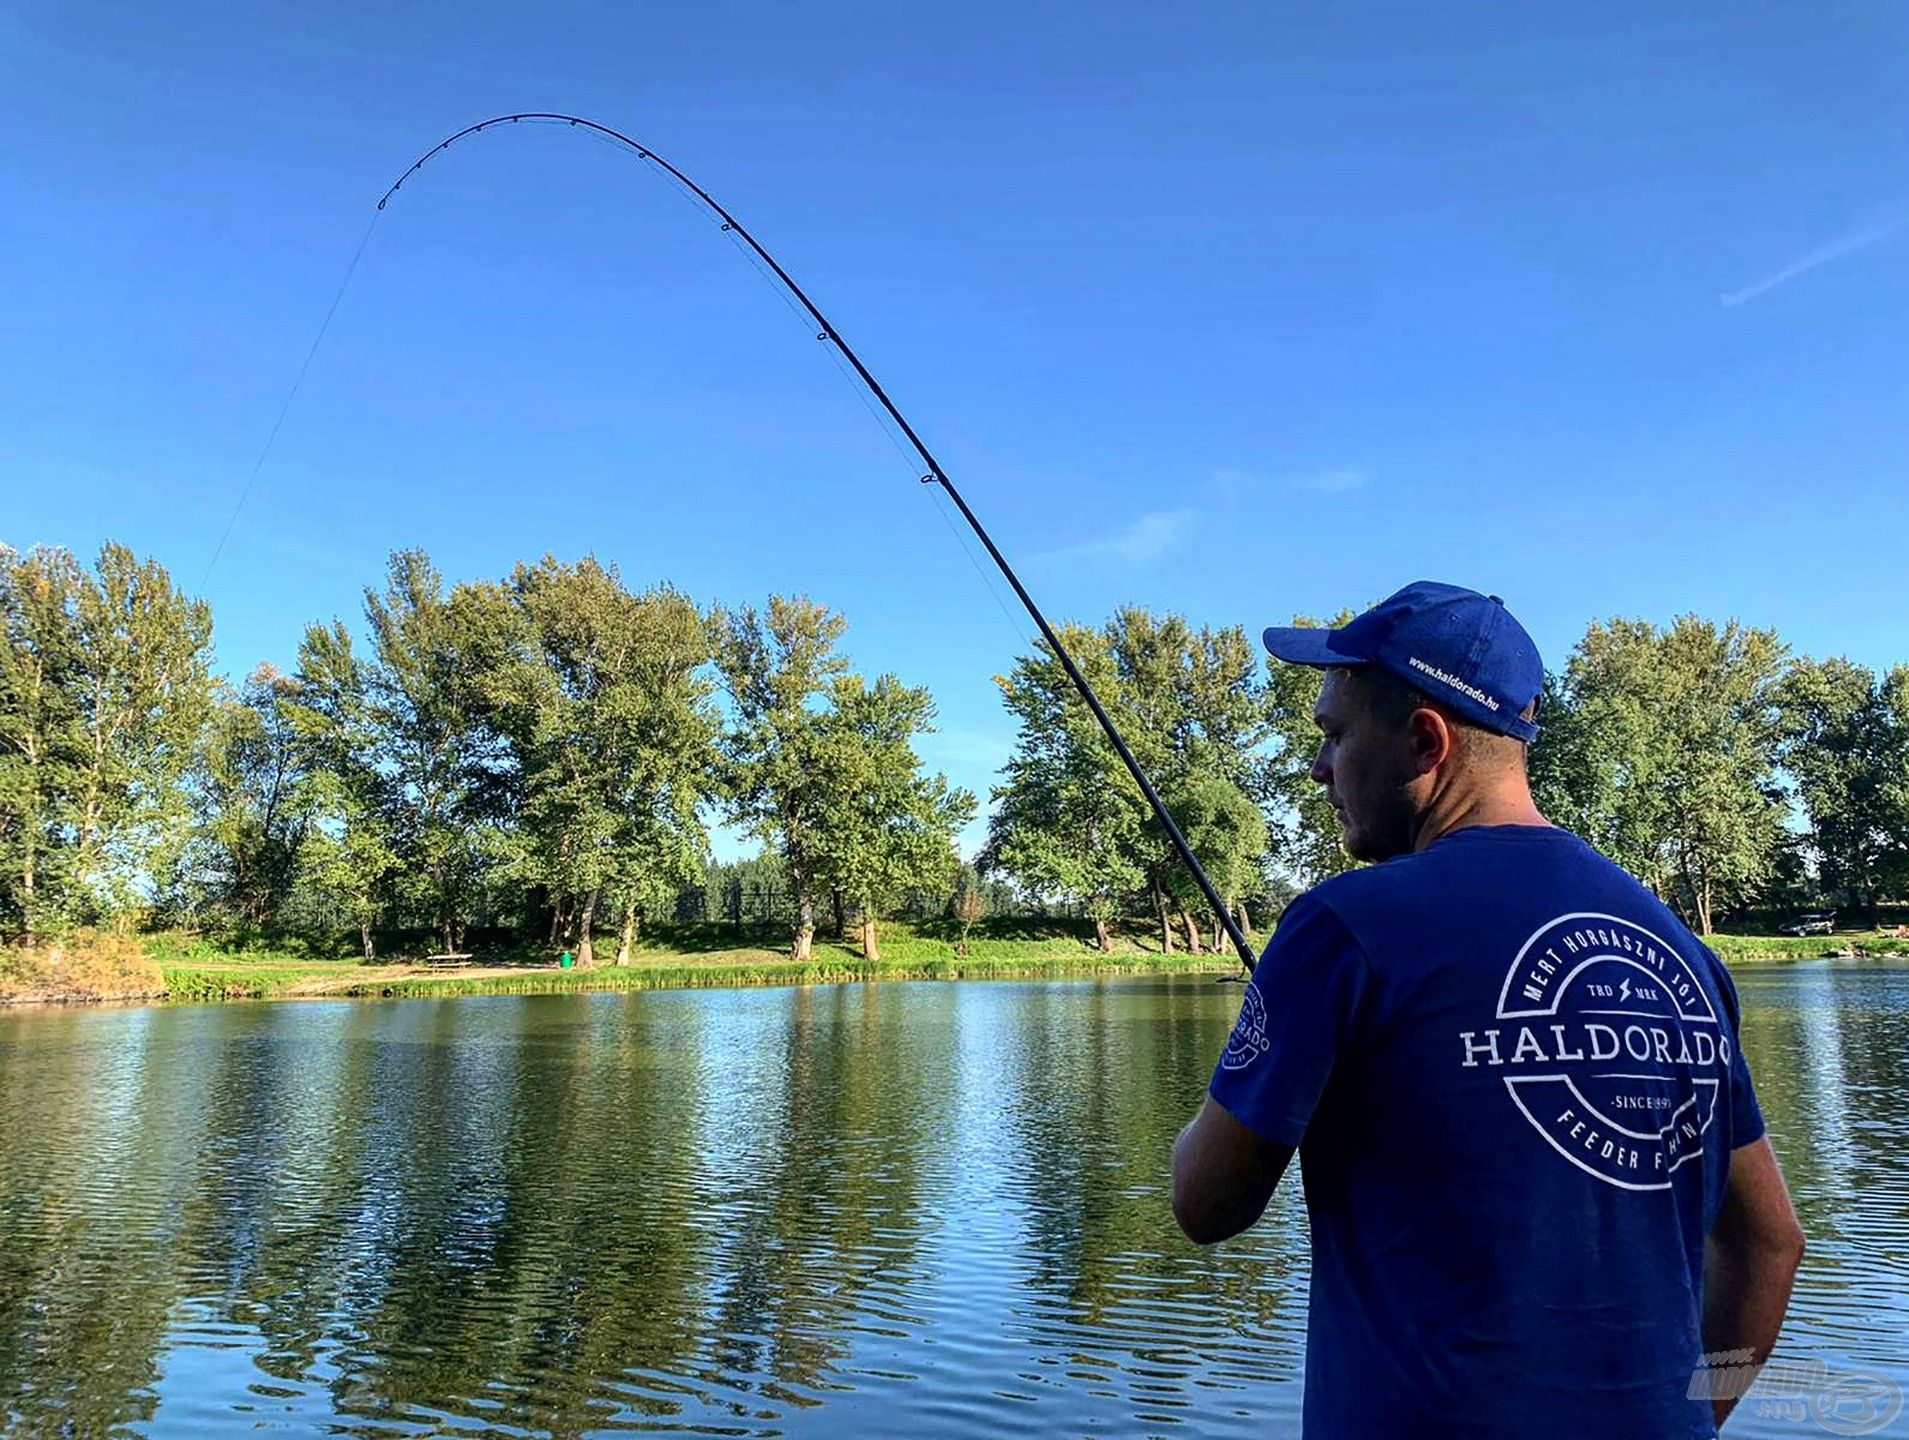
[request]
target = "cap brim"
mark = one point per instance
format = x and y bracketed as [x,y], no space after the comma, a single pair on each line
[1305,645]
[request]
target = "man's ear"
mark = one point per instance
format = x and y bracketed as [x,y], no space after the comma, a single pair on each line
[1432,740]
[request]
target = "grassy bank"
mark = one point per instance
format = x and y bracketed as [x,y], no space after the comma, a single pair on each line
[1866,944]
[184,968]
[188,968]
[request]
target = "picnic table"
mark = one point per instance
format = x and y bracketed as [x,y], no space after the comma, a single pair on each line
[445,962]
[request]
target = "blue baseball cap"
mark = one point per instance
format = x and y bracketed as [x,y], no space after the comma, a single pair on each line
[1459,647]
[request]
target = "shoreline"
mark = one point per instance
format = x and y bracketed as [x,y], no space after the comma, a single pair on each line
[177,976]
[235,979]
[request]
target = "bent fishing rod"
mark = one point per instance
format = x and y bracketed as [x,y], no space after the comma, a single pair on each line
[825,331]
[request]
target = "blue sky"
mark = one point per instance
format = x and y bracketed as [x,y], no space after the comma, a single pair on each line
[1238,310]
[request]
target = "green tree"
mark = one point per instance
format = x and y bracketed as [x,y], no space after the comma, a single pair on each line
[1568,782]
[1307,843]
[1845,746]
[350,858]
[42,735]
[408,730]
[890,828]
[1068,819]
[145,692]
[107,685]
[779,667]
[250,797]
[1228,835]
[608,702]
[1666,750]
[1193,708]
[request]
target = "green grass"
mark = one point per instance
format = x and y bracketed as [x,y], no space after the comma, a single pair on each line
[248,980]
[680,957]
[1733,949]
[715,955]
[828,966]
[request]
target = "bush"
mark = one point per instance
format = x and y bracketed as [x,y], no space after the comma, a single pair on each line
[83,966]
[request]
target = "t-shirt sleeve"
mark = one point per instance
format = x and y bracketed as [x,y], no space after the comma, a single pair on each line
[1297,1020]
[1746,1116]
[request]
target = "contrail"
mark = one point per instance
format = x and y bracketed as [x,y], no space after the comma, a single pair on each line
[1822,255]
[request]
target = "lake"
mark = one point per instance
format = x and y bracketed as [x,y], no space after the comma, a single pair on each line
[933,1210]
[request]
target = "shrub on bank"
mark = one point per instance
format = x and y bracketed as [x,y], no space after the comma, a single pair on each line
[83,966]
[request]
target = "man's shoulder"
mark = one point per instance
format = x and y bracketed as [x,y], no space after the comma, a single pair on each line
[1469,873]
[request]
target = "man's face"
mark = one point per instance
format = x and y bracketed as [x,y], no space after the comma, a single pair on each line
[1366,764]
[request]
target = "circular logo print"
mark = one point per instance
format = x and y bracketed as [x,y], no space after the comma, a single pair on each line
[1249,1040]
[1609,1047]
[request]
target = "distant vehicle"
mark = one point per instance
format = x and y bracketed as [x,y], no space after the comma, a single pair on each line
[1811,922]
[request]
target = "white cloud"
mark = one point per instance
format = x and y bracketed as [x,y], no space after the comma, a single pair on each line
[1835,250]
[1147,538]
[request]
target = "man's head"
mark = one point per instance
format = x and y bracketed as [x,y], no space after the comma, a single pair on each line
[1426,710]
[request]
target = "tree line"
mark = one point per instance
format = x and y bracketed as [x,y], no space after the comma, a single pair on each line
[1731,776]
[543,755]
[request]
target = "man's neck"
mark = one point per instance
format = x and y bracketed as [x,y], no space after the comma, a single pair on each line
[1461,809]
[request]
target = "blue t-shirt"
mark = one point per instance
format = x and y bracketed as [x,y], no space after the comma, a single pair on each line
[1514,1082]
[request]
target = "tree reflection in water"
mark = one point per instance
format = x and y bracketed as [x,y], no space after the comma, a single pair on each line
[929,1210]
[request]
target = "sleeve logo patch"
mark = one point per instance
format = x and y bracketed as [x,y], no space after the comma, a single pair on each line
[1249,1040]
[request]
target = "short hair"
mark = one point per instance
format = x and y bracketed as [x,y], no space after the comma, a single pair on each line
[1395,699]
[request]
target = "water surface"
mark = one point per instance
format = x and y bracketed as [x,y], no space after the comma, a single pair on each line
[934,1210]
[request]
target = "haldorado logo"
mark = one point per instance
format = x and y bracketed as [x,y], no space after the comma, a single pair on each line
[1248,1041]
[1612,1049]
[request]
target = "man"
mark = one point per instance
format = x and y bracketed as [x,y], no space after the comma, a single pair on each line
[1534,1165]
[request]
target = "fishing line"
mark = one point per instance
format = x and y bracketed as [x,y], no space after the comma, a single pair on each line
[934,476]
[685,193]
[290,395]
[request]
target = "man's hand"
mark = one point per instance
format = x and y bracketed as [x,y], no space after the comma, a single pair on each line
[1223,1175]
[1750,1261]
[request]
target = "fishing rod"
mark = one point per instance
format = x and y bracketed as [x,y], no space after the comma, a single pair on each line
[935,474]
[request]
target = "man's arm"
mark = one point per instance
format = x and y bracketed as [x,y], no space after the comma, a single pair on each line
[1750,1260]
[1223,1175]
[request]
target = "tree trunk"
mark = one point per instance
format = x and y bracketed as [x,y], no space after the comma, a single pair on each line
[627,936]
[1245,918]
[26,891]
[870,951]
[449,934]
[1192,932]
[364,939]
[1703,908]
[841,915]
[1104,936]
[1166,920]
[586,927]
[804,946]
[556,921]
[29,833]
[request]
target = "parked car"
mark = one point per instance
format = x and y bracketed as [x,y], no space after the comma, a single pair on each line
[1811,922]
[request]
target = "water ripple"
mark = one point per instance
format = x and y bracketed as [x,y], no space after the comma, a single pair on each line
[935,1211]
